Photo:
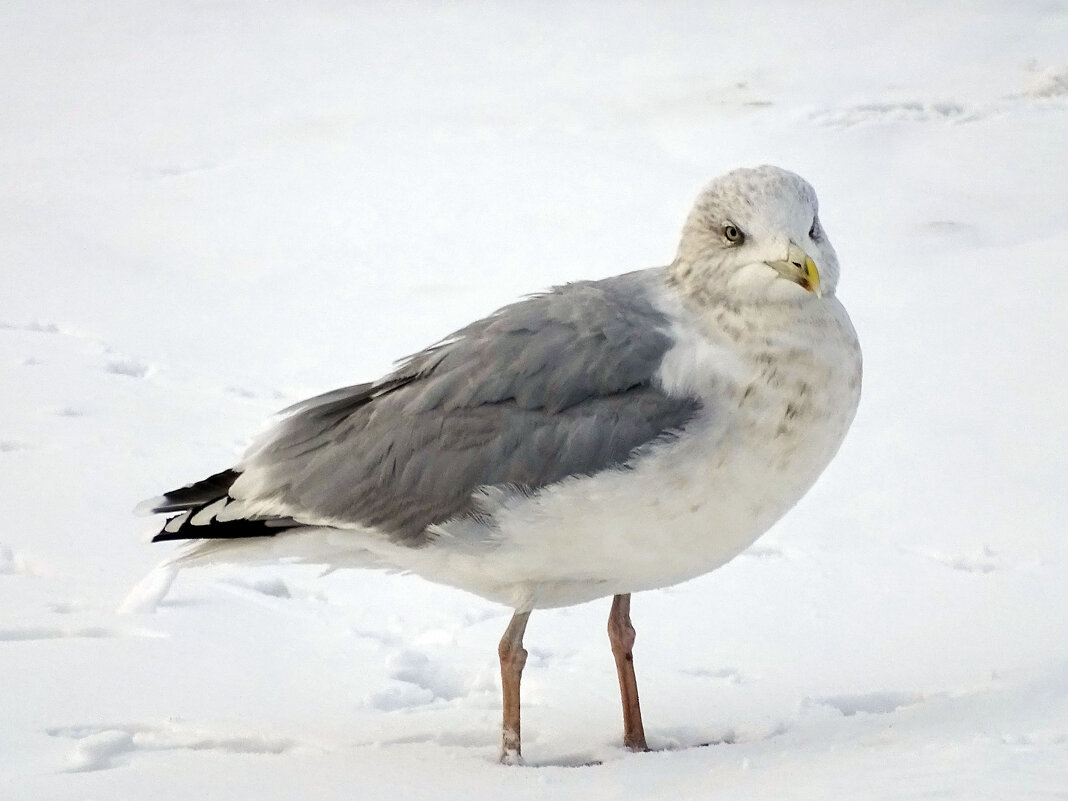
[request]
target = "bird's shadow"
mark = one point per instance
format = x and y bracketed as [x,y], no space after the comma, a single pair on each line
[662,742]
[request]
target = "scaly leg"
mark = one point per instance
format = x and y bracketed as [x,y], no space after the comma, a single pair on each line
[513,657]
[621,635]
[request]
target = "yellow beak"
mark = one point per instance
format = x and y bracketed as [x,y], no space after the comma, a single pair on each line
[799,268]
[812,277]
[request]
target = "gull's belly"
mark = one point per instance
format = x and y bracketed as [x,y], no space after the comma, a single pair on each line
[683,513]
[682,509]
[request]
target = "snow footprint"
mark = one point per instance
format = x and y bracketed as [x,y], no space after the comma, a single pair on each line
[423,681]
[134,368]
[877,703]
[38,633]
[105,746]
[14,564]
[985,560]
[909,111]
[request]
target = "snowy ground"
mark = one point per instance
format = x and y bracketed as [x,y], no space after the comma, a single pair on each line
[213,209]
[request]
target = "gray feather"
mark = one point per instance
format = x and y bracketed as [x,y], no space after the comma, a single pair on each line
[557,385]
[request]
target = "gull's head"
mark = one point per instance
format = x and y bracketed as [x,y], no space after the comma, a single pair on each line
[755,234]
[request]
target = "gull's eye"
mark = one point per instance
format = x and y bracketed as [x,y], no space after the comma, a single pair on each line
[733,234]
[814,231]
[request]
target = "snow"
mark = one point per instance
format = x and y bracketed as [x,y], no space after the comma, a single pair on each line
[213,210]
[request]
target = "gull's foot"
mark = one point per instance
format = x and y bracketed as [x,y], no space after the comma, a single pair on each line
[636,744]
[510,745]
[510,757]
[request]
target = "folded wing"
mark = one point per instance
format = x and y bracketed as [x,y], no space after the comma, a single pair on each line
[557,385]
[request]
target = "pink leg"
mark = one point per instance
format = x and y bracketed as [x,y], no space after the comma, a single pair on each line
[513,657]
[621,635]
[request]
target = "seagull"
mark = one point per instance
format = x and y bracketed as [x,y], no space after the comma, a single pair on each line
[599,439]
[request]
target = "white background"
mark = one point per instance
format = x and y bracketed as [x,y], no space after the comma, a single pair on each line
[213,209]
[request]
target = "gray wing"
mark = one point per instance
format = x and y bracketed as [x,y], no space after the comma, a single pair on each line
[557,385]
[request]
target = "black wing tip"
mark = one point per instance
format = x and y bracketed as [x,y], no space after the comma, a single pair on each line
[151,506]
[193,500]
[191,496]
[221,530]
[167,536]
